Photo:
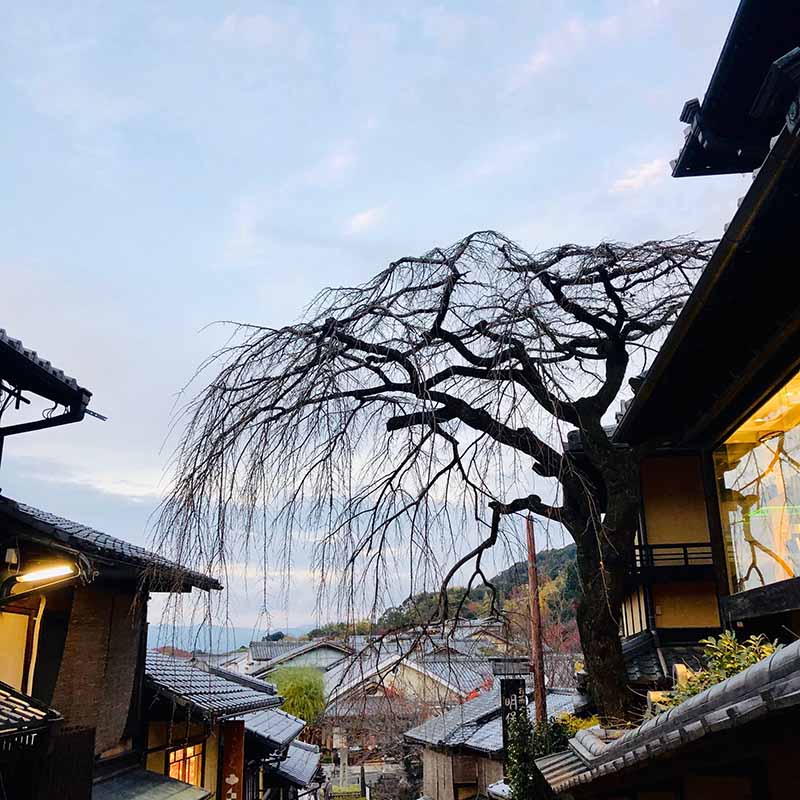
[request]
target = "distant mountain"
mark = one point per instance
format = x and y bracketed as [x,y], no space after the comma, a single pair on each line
[216,638]
[549,562]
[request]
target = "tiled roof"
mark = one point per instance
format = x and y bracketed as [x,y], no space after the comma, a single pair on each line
[213,696]
[275,726]
[768,687]
[282,650]
[464,674]
[20,714]
[39,371]
[301,764]
[140,784]
[96,543]
[477,724]
[237,677]
[643,658]
[266,651]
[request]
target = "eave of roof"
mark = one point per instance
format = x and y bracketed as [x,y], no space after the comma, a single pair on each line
[300,765]
[162,574]
[729,132]
[770,686]
[24,369]
[212,696]
[766,214]
[276,727]
[21,714]
[141,784]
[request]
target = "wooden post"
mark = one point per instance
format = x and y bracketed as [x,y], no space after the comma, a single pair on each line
[537,656]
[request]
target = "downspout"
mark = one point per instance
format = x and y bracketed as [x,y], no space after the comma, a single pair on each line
[35,648]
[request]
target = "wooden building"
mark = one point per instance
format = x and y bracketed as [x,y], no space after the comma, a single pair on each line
[462,749]
[73,610]
[223,731]
[717,415]
[717,420]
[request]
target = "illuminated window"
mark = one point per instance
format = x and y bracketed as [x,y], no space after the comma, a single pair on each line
[186,764]
[758,482]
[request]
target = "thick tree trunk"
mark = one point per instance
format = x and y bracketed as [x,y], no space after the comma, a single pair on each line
[598,623]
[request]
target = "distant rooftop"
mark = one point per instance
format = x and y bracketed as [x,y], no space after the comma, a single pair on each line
[477,724]
[209,694]
[301,764]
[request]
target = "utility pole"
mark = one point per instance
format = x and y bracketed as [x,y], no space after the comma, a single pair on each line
[537,656]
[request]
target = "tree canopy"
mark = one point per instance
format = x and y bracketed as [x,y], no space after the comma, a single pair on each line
[302,689]
[408,417]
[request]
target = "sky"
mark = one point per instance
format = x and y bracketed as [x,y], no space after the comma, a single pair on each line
[169,166]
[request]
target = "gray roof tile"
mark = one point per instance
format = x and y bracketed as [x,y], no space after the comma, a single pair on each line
[212,695]
[769,686]
[477,724]
[93,542]
[22,714]
[275,726]
[9,345]
[283,650]
[301,764]
[139,784]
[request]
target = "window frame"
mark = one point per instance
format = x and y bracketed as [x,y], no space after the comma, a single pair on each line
[185,746]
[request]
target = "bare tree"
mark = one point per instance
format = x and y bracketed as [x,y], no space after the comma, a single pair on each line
[433,399]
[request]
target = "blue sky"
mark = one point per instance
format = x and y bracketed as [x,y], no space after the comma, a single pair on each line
[170,165]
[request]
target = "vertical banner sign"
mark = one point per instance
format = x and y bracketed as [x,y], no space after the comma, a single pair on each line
[232,760]
[513,698]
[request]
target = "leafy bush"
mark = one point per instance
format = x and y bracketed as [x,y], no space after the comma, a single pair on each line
[573,724]
[724,656]
[527,741]
[302,689]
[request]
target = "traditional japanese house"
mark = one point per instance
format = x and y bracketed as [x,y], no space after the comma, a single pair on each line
[73,607]
[736,740]
[224,732]
[73,610]
[717,419]
[462,749]
[375,695]
[267,655]
[717,415]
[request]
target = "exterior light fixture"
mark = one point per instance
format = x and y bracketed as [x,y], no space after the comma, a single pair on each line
[47,573]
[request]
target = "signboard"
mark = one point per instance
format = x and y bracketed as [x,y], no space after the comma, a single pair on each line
[513,698]
[232,760]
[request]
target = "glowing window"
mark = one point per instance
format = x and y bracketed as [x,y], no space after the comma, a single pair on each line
[758,483]
[186,764]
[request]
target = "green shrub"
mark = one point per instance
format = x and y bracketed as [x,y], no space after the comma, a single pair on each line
[302,689]
[724,656]
[574,724]
[527,741]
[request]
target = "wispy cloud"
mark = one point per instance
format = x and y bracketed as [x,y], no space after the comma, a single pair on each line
[263,31]
[137,485]
[501,159]
[365,220]
[641,176]
[565,42]
[561,44]
[330,167]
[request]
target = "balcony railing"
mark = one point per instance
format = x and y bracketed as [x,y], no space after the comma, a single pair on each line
[658,556]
